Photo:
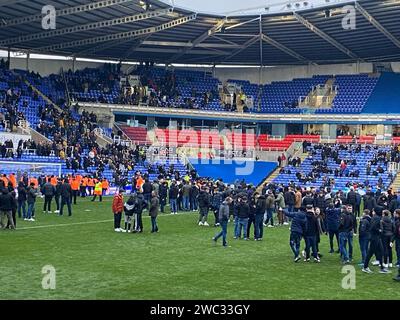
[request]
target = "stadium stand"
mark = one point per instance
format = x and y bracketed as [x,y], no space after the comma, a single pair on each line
[340,167]
[386,96]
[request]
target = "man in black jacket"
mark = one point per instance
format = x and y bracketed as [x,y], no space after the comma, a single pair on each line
[310,234]
[163,194]
[21,200]
[243,212]
[375,244]
[57,195]
[346,227]
[290,199]
[352,198]
[204,202]
[261,207]
[396,235]
[369,201]
[396,238]
[48,191]
[147,189]
[173,196]
[6,206]
[65,193]
[140,205]
[364,234]
[194,192]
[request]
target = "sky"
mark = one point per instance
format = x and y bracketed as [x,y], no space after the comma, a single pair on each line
[238,7]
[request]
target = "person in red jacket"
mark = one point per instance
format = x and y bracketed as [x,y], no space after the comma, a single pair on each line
[117,208]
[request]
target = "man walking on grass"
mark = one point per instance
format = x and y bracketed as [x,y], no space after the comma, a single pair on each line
[375,244]
[297,231]
[223,218]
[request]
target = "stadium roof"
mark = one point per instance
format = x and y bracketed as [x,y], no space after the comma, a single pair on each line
[124,30]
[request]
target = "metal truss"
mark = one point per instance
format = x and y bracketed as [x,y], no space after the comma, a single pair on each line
[86,27]
[64,12]
[282,48]
[199,39]
[324,36]
[377,25]
[120,36]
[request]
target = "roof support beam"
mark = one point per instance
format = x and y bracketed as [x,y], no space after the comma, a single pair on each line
[190,44]
[136,46]
[10,2]
[216,28]
[247,44]
[165,50]
[122,35]
[377,25]
[324,36]
[86,27]
[103,46]
[64,12]
[283,48]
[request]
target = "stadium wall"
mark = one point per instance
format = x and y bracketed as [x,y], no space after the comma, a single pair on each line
[270,74]
[283,73]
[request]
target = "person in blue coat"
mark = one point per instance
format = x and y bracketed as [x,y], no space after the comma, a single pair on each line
[332,214]
[297,230]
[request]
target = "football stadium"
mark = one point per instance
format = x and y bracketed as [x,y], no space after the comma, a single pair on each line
[199,150]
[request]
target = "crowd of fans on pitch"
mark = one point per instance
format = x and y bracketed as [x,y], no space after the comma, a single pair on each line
[311,212]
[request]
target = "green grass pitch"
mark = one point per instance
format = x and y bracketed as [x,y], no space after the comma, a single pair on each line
[181,262]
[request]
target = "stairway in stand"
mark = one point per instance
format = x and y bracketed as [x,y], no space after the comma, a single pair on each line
[395,186]
[275,173]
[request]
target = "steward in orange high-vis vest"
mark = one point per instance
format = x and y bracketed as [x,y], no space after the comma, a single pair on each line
[90,185]
[13,180]
[104,185]
[53,181]
[98,190]
[34,181]
[84,183]
[75,188]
